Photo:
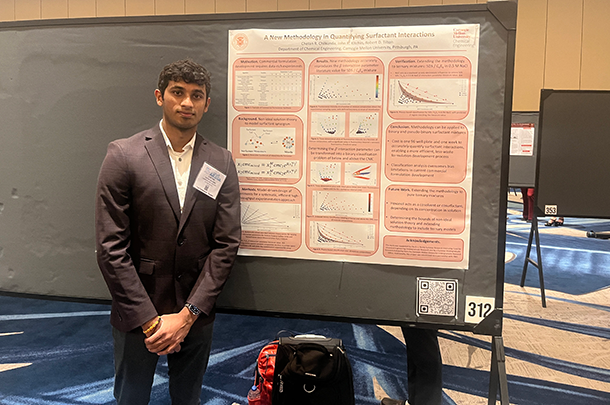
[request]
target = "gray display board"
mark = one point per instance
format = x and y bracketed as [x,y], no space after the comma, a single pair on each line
[522,168]
[573,154]
[70,87]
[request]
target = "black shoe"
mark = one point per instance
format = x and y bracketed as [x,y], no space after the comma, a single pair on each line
[390,401]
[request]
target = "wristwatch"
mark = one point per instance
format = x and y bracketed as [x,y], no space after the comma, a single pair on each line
[194,310]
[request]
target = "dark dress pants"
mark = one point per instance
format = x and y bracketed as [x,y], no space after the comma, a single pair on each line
[135,367]
[424,366]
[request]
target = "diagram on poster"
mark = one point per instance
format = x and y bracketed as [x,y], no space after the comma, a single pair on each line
[355,144]
[269,141]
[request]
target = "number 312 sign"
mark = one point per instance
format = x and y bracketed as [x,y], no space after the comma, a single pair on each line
[477,308]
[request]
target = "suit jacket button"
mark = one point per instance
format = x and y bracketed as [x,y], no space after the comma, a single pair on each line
[181,242]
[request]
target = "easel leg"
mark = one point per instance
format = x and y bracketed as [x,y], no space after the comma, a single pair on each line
[498,377]
[534,233]
[540,273]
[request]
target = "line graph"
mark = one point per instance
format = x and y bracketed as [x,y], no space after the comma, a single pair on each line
[342,235]
[270,217]
[342,203]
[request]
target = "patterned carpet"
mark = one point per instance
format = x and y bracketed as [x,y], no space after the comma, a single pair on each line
[54,352]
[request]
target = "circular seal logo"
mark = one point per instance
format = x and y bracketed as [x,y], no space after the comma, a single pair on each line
[240,42]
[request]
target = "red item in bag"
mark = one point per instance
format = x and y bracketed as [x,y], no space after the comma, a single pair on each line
[263,380]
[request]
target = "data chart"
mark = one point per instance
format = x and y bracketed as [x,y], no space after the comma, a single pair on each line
[342,235]
[270,217]
[364,125]
[429,94]
[342,204]
[325,173]
[360,174]
[328,124]
[363,89]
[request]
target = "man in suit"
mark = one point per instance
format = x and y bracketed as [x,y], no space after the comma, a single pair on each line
[167,233]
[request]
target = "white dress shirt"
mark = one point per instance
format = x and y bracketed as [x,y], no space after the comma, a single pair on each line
[181,163]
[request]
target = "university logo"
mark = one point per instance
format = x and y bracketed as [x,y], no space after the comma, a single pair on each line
[240,42]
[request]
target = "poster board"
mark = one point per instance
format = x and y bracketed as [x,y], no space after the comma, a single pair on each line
[75,85]
[524,149]
[574,142]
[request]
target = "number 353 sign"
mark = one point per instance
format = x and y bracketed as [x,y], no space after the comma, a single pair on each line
[477,308]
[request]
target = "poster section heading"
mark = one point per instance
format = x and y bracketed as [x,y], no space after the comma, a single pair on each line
[355,144]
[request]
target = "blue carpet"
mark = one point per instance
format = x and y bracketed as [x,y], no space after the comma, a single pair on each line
[72,359]
[69,345]
[573,265]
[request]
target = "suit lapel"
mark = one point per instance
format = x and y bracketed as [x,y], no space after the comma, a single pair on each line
[157,150]
[200,156]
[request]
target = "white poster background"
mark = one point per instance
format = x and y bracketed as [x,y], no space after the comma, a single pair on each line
[521,140]
[318,98]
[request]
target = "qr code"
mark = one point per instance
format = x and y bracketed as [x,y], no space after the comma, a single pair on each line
[436,297]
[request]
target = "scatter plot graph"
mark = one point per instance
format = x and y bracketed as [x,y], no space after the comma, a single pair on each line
[362,89]
[327,124]
[325,173]
[267,140]
[360,174]
[364,125]
[342,204]
[342,235]
[429,94]
[270,217]
[413,95]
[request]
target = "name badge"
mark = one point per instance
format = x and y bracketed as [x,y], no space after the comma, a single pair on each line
[209,180]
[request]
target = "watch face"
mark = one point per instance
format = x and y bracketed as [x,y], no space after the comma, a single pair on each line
[193,309]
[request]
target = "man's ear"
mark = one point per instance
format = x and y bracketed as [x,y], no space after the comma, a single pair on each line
[207,105]
[159,97]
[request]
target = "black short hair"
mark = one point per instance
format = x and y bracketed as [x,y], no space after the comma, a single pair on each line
[187,71]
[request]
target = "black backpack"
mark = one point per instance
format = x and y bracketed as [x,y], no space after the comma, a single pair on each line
[312,370]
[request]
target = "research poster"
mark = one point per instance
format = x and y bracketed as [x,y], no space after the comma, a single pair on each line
[522,139]
[355,144]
